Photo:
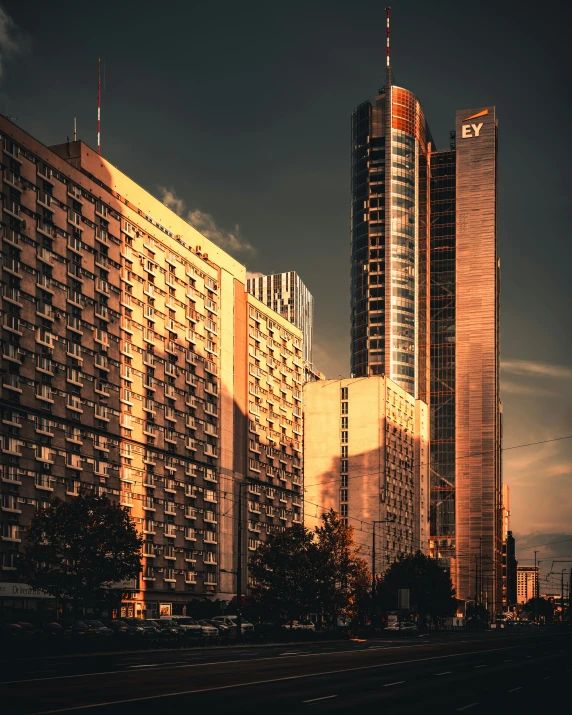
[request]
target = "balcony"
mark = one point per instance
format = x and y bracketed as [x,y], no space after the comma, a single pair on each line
[12,265]
[12,352]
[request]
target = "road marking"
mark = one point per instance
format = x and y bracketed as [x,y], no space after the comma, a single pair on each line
[447,672]
[292,652]
[242,685]
[145,665]
[481,666]
[466,707]
[515,689]
[547,677]
[315,700]
[398,682]
[510,660]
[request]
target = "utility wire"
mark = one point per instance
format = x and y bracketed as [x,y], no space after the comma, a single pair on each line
[465,456]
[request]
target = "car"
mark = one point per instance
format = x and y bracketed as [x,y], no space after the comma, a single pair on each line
[118,626]
[29,629]
[10,631]
[209,631]
[100,630]
[52,629]
[166,627]
[230,621]
[408,628]
[78,628]
[300,626]
[223,628]
[142,628]
[190,627]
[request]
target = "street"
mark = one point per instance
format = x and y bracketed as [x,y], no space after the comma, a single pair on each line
[484,673]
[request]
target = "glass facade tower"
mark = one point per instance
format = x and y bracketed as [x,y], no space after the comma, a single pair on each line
[390,143]
[425,310]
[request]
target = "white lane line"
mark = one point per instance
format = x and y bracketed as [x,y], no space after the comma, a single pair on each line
[466,707]
[481,666]
[515,689]
[447,672]
[398,682]
[315,700]
[292,652]
[145,665]
[508,661]
[241,685]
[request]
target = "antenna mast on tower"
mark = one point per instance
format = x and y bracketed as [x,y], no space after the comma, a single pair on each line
[98,106]
[387,47]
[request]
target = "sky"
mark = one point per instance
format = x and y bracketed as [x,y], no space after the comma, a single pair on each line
[238,115]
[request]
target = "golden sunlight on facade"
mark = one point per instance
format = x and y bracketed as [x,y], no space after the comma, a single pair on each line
[137,366]
[365,456]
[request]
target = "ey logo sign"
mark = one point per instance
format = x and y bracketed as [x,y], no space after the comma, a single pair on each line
[473,130]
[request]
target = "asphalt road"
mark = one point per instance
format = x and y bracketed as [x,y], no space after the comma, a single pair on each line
[492,673]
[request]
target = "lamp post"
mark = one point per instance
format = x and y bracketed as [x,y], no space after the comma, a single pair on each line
[387,520]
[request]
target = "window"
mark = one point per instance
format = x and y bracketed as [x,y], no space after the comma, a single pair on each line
[344,422]
[344,465]
[344,408]
[344,393]
[344,437]
[343,495]
[344,451]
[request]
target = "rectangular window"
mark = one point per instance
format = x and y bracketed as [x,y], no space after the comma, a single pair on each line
[344,465]
[344,393]
[344,408]
[344,422]
[344,437]
[344,451]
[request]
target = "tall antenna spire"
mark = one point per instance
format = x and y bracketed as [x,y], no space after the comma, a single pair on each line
[388,48]
[98,106]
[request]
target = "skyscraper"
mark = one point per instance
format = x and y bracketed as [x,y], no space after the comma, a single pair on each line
[288,296]
[425,308]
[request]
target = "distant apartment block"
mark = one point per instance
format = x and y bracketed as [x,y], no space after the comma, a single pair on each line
[288,296]
[366,457]
[526,583]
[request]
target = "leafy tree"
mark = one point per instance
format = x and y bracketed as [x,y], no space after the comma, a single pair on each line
[431,590]
[283,573]
[74,550]
[343,576]
[539,607]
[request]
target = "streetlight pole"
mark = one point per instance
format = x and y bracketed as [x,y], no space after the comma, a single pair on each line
[239,568]
[373,563]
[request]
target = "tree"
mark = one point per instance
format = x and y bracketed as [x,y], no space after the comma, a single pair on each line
[539,608]
[343,576]
[75,550]
[431,590]
[283,573]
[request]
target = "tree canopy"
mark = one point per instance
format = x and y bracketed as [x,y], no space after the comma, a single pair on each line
[299,571]
[75,550]
[283,572]
[431,589]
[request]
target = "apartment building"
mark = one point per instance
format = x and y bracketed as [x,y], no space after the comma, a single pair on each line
[365,456]
[125,369]
[526,583]
[275,378]
[288,296]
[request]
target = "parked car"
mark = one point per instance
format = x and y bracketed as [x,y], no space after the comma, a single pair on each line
[300,626]
[222,628]
[29,629]
[166,627]
[79,628]
[190,627]
[119,627]
[209,631]
[100,630]
[230,621]
[52,630]
[10,631]
[142,628]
